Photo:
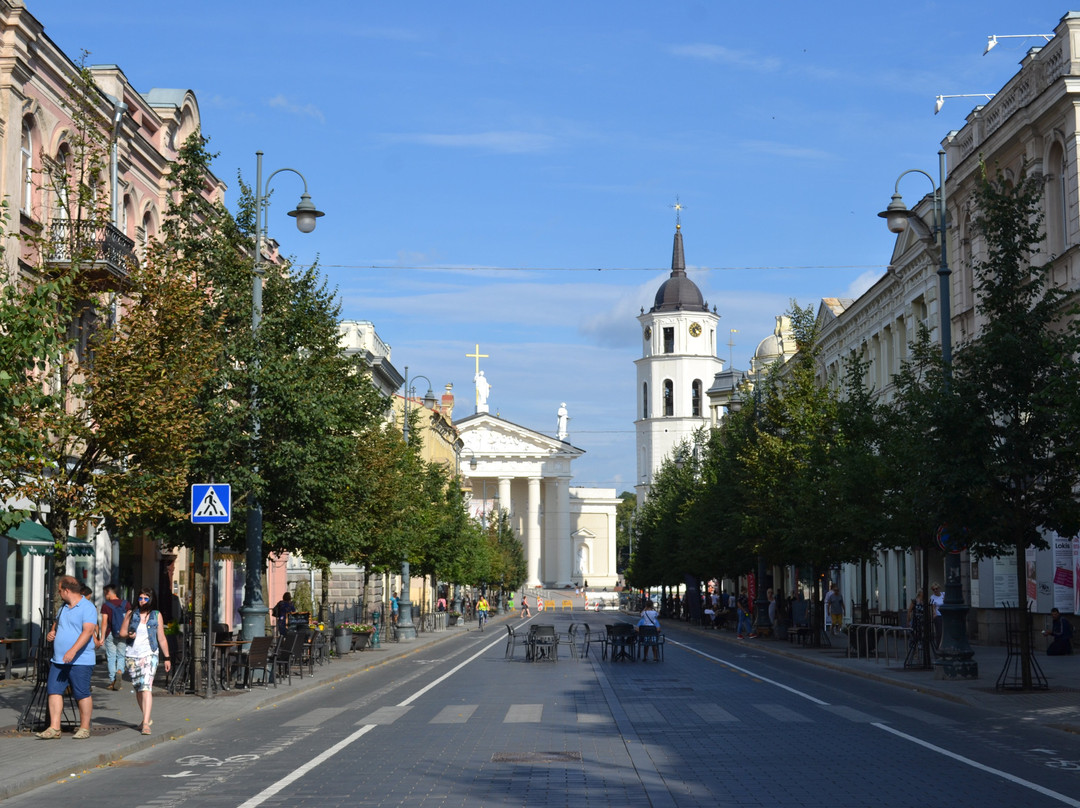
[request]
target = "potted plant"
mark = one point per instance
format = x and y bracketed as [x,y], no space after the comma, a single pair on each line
[343,638]
[453,618]
[361,635]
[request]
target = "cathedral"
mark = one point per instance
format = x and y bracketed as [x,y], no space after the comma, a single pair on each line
[677,367]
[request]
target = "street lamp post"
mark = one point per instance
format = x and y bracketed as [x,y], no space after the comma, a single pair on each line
[406,630]
[254,609]
[956,654]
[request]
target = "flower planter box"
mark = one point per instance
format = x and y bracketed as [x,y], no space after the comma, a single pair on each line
[343,640]
[361,640]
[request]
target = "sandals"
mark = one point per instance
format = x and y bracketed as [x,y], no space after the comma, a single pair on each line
[49,734]
[81,734]
[145,729]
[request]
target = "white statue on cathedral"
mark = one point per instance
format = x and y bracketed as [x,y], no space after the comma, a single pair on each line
[483,390]
[564,419]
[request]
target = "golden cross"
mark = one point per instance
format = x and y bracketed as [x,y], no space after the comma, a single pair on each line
[678,212]
[477,356]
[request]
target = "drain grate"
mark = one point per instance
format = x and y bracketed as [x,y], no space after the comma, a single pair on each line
[536,757]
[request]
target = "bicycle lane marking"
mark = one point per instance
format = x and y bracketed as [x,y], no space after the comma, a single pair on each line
[345,743]
[1020,781]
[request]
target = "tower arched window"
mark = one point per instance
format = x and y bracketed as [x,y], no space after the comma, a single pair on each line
[645,400]
[695,398]
[669,398]
[26,167]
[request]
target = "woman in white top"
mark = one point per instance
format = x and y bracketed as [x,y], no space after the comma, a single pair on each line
[144,631]
[650,619]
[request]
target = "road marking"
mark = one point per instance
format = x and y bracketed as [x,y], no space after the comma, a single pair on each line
[713,713]
[454,714]
[981,766]
[524,714]
[321,758]
[384,715]
[782,713]
[315,717]
[851,714]
[748,672]
[594,718]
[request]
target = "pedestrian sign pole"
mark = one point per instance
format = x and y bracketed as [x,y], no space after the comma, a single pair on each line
[211,504]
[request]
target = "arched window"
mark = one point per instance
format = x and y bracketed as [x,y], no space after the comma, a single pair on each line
[695,398]
[645,400]
[26,167]
[669,398]
[61,177]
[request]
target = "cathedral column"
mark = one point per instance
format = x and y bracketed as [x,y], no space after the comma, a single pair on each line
[567,557]
[504,495]
[532,533]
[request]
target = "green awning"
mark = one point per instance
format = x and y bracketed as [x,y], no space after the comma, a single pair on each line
[33,539]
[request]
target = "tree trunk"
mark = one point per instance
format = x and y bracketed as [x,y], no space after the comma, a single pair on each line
[1023,617]
[324,595]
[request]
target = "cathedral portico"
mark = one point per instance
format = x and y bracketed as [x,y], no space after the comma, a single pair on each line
[527,475]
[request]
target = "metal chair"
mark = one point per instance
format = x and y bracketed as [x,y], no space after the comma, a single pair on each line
[258,658]
[543,643]
[650,637]
[513,639]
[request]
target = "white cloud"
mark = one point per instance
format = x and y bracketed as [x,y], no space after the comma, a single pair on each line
[507,142]
[861,284]
[305,110]
[721,55]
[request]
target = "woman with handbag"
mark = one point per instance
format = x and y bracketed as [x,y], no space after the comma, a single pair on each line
[144,631]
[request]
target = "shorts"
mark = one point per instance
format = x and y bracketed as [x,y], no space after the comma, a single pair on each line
[837,619]
[141,670]
[77,677]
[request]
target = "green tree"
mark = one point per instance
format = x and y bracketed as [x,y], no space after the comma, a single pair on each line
[1018,383]
[624,527]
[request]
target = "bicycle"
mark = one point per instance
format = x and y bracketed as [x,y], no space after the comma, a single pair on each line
[482,617]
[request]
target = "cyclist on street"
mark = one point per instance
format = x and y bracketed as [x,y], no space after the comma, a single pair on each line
[482,611]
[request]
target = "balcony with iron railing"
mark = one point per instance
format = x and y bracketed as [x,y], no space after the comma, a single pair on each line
[104,251]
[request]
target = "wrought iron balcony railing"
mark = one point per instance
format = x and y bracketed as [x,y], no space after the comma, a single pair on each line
[103,248]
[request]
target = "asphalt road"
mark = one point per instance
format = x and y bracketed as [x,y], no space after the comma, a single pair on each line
[708,726]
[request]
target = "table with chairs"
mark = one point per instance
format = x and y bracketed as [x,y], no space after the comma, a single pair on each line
[543,644]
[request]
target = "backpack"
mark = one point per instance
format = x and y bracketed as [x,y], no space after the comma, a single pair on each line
[117,611]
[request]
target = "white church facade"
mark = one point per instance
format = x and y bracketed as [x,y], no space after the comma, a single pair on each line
[676,370]
[568,533]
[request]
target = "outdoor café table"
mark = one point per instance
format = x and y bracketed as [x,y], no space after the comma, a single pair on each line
[7,653]
[543,643]
[622,639]
[225,659]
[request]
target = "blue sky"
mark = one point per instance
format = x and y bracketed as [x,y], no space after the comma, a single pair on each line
[504,173]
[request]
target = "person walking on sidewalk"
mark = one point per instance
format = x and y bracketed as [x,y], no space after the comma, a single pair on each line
[113,611]
[72,660]
[742,606]
[525,606]
[1060,632]
[145,633]
[834,607]
[937,600]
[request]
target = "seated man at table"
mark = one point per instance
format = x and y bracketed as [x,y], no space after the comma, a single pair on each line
[1061,633]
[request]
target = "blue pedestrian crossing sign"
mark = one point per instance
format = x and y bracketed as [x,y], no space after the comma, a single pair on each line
[211,504]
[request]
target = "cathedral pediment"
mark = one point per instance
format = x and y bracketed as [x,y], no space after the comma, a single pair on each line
[485,434]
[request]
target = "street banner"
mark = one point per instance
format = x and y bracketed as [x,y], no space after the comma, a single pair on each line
[1032,582]
[1064,596]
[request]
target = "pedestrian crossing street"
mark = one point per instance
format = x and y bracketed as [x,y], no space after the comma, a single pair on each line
[640,713]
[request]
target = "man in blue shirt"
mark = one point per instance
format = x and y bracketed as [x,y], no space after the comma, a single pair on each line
[73,658]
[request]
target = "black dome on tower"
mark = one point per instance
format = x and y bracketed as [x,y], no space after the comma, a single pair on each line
[678,292]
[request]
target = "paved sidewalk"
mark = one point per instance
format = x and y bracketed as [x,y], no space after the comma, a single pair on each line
[28,762]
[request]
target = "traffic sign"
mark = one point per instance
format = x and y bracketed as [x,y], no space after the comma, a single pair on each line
[211,504]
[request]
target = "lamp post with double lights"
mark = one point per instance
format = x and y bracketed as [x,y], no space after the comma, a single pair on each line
[254,610]
[956,654]
[406,630]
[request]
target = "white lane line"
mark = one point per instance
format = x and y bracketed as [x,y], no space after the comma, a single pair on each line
[748,672]
[300,771]
[982,767]
[321,758]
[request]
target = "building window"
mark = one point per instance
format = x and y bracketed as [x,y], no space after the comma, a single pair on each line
[26,156]
[695,398]
[669,398]
[669,340]
[645,400]
[1057,202]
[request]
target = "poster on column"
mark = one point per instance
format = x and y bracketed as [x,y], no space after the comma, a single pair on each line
[976,599]
[1076,576]
[1031,581]
[1064,597]
[1005,581]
